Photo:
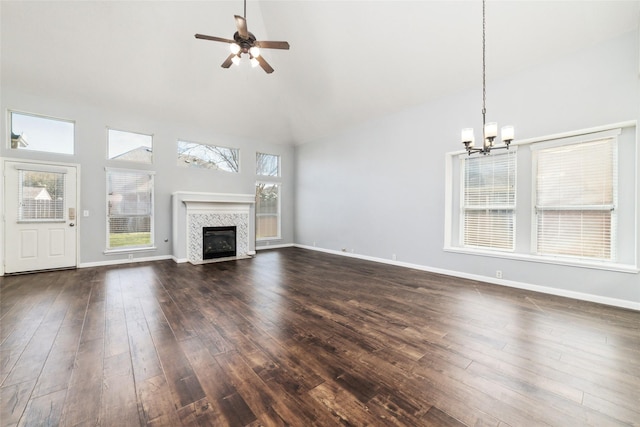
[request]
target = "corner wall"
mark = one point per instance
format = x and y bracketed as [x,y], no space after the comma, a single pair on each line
[378,190]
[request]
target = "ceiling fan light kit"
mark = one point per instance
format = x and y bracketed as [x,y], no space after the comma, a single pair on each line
[245,42]
[489,130]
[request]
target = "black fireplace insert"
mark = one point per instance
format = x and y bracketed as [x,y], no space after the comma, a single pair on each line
[218,242]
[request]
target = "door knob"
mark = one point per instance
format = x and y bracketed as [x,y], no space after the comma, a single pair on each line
[71,224]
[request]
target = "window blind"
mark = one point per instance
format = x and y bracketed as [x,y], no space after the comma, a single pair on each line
[489,201]
[130,208]
[575,200]
[41,196]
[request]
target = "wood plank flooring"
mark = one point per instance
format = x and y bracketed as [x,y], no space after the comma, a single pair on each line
[301,338]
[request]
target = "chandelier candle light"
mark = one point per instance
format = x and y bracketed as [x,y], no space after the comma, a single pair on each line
[490,130]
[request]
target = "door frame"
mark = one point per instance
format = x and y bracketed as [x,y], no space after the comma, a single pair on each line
[3,233]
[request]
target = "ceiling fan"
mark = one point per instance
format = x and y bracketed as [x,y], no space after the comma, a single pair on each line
[245,42]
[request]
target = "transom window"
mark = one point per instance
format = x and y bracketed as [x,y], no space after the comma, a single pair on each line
[267,164]
[193,154]
[130,146]
[39,133]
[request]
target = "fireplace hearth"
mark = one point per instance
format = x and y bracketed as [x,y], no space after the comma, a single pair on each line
[218,242]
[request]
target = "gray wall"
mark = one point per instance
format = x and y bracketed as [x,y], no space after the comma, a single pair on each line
[378,189]
[91,123]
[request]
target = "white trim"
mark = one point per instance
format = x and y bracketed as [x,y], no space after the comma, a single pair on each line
[129,249]
[575,139]
[200,197]
[508,283]
[123,261]
[152,219]
[280,246]
[587,131]
[571,262]
[279,217]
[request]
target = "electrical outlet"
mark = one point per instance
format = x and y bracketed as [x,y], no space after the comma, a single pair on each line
[393,257]
[499,274]
[314,243]
[130,256]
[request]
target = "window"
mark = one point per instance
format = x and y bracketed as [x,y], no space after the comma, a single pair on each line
[38,133]
[267,164]
[208,156]
[129,146]
[575,200]
[267,210]
[130,209]
[489,201]
[41,196]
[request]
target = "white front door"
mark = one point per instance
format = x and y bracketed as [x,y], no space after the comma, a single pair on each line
[40,216]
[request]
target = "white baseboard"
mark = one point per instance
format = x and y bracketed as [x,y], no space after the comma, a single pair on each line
[509,283]
[123,261]
[179,260]
[284,245]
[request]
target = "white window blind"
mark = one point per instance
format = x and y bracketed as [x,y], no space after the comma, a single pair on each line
[576,199]
[40,196]
[489,201]
[130,209]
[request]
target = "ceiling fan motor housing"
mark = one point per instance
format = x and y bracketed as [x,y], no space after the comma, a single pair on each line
[245,44]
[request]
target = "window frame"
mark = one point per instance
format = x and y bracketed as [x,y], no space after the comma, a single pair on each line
[278,172]
[278,215]
[116,159]
[201,144]
[496,208]
[610,137]
[43,117]
[628,246]
[133,248]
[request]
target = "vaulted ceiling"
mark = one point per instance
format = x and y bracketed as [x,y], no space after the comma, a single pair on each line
[350,61]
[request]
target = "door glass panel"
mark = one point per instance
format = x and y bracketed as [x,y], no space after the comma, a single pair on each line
[40,196]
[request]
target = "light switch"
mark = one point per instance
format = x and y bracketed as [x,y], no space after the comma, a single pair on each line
[85,213]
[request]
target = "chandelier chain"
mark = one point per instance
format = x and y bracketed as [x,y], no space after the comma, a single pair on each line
[484,54]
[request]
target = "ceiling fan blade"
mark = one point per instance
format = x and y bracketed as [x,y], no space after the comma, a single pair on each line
[227,62]
[272,45]
[215,39]
[241,25]
[264,64]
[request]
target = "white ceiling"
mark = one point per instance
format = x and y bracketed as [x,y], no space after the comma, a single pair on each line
[350,61]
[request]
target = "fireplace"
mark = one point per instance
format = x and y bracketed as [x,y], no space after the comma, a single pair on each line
[218,242]
[193,212]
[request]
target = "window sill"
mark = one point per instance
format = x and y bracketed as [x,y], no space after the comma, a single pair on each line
[129,250]
[609,266]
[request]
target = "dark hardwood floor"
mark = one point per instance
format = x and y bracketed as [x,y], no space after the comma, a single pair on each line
[300,338]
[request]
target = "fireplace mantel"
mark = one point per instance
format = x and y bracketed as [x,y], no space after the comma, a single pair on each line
[192,211]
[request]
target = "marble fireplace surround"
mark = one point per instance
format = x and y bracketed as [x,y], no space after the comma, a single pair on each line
[192,211]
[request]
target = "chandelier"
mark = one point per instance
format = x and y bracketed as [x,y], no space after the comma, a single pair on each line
[489,130]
